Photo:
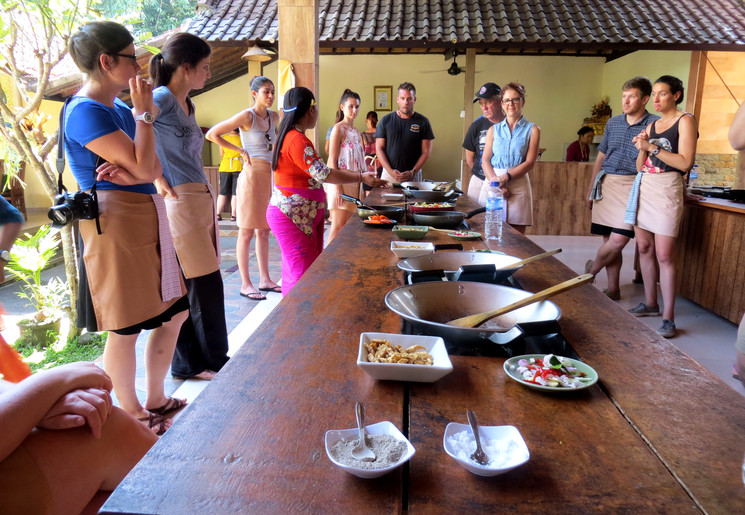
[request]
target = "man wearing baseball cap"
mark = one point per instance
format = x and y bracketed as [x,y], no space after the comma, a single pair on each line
[488,97]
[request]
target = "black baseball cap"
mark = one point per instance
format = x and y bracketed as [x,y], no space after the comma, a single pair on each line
[487,91]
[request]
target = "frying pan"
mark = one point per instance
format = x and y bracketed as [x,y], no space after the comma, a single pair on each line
[427,308]
[365,211]
[445,219]
[451,262]
[425,191]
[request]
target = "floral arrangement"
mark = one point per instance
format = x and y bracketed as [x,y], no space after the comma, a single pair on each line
[601,109]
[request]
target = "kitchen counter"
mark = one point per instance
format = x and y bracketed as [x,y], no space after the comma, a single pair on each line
[658,433]
[710,256]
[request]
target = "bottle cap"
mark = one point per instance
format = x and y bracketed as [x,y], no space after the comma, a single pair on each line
[495,184]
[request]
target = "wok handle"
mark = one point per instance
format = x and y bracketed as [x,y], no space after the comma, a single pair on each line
[350,198]
[475,212]
[448,246]
[480,318]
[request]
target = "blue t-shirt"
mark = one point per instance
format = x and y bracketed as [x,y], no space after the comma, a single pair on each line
[87,120]
[178,140]
[511,147]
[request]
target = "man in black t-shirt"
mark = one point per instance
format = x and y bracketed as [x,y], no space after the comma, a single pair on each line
[403,139]
[489,98]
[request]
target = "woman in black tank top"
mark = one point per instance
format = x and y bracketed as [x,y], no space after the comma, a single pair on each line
[667,149]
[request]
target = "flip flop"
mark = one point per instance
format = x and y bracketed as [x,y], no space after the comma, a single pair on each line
[200,376]
[172,405]
[253,296]
[157,422]
[232,219]
[275,289]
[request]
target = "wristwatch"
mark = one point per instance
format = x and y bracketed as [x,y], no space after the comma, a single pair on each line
[5,255]
[655,151]
[146,117]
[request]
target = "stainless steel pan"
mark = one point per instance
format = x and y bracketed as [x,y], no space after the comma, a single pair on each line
[428,307]
[425,191]
[451,262]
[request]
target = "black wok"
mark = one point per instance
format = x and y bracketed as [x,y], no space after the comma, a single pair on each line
[445,219]
[425,191]
[451,262]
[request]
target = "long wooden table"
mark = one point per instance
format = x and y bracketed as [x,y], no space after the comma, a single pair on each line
[658,433]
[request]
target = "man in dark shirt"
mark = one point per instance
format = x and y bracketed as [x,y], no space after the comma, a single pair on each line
[489,98]
[614,172]
[403,139]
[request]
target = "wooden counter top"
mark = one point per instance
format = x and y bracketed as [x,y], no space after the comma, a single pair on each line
[657,433]
[718,203]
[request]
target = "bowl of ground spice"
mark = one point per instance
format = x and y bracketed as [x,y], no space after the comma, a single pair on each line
[390,446]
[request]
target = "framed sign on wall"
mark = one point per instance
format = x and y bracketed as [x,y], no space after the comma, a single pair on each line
[383,97]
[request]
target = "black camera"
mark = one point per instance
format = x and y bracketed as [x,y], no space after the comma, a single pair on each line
[78,206]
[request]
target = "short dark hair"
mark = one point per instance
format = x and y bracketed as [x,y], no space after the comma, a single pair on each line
[94,39]
[297,102]
[641,83]
[675,84]
[373,117]
[584,130]
[408,86]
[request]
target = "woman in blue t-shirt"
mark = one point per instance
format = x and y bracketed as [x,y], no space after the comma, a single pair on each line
[183,64]
[130,278]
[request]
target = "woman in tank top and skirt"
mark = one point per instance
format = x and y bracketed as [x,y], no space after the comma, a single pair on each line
[667,149]
[258,132]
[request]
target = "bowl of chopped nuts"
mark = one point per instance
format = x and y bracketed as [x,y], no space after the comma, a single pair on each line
[403,357]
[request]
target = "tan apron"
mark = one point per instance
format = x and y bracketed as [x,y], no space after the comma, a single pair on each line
[253,193]
[661,203]
[123,262]
[610,210]
[191,218]
[520,201]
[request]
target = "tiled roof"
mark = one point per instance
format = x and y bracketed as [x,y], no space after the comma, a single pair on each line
[690,24]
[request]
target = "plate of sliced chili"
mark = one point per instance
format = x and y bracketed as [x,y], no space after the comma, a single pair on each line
[550,373]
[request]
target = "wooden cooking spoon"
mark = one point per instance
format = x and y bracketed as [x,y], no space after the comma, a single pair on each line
[480,318]
[530,259]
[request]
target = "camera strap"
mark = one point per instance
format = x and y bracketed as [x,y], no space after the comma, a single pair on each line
[60,162]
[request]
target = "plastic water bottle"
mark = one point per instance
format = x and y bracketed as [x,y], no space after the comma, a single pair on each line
[693,177]
[494,212]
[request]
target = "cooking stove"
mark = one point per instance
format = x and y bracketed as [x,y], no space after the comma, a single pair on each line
[527,338]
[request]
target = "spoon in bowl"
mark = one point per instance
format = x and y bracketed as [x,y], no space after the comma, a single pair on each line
[479,456]
[362,452]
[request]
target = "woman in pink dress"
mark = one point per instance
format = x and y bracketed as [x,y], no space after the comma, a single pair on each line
[345,153]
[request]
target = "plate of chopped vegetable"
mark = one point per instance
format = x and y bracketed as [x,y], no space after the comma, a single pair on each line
[549,372]
[379,221]
[465,235]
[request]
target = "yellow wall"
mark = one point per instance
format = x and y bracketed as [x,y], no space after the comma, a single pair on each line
[651,64]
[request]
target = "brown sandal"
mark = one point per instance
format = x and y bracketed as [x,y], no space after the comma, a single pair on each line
[172,405]
[157,422]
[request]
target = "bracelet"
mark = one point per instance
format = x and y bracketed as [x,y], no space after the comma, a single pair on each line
[509,176]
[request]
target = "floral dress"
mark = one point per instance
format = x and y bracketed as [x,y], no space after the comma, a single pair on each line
[351,157]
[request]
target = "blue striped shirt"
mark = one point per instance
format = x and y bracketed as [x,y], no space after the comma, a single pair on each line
[620,152]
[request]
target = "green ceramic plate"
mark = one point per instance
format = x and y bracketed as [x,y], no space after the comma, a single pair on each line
[510,367]
[465,235]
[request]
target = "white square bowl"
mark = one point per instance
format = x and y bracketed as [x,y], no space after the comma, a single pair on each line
[381,428]
[435,345]
[407,249]
[514,454]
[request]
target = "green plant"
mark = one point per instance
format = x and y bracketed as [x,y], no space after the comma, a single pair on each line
[48,353]
[28,258]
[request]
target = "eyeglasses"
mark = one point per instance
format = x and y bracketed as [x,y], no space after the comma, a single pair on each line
[129,56]
[508,101]
[268,141]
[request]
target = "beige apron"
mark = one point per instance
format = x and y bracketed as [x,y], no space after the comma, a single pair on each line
[123,262]
[191,218]
[520,201]
[661,203]
[610,210]
[351,189]
[253,194]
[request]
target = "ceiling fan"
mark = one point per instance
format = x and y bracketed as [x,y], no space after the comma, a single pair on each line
[454,68]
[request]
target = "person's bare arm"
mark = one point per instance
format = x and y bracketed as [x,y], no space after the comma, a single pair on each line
[686,155]
[470,156]
[215,134]
[32,401]
[487,155]
[530,157]
[383,157]
[426,152]
[737,129]
[333,148]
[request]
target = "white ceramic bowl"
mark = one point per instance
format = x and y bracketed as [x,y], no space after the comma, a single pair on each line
[407,249]
[381,428]
[402,371]
[508,436]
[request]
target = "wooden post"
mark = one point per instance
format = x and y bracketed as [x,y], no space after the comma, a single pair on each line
[298,42]
[468,89]
[696,77]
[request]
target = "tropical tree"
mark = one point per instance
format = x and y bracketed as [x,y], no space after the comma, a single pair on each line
[33,40]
